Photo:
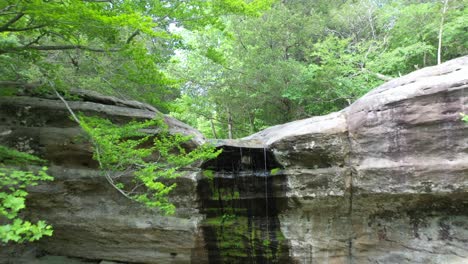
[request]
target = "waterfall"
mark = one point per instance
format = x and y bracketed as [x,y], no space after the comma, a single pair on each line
[266,197]
[241,208]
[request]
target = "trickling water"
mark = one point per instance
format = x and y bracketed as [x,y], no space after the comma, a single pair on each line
[241,202]
[266,197]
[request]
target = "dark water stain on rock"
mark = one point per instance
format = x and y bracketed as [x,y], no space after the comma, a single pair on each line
[242,194]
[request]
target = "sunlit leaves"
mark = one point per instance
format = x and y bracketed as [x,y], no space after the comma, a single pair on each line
[144,151]
[114,47]
[13,184]
[464,117]
[21,231]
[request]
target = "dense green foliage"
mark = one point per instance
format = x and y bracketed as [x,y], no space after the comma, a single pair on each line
[227,67]
[305,58]
[149,160]
[13,183]
[114,47]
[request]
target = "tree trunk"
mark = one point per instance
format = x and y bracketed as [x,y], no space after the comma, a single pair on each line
[252,122]
[439,49]
[371,22]
[229,125]
[213,129]
[424,59]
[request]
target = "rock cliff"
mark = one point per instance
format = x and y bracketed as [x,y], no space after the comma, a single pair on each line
[90,219]
[382,181]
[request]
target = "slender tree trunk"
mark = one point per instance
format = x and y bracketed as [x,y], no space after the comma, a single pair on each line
[371,22]
[439,49]
[229,125]
[424,59]
[213,129]
[252,122]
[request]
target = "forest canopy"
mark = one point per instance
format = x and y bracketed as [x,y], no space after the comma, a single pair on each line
[305,58]
[114,47]
[227,67]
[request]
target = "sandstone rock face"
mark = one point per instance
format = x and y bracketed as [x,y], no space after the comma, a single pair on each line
[382,181]
[90,219]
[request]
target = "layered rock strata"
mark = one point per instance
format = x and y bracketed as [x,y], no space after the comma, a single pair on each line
[90,218]
[382,181]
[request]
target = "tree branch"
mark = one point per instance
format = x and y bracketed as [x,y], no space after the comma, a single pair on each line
[57,47]
[378,75]
[441,28]
[36,40]
[98,1]
[22,29]
[11,22]
[133,36]
[7,8]
[382,77]
[67,106]
[96,146]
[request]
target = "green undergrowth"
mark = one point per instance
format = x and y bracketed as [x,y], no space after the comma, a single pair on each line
[16,175]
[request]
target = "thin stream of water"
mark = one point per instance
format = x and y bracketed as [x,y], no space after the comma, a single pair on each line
[266,197]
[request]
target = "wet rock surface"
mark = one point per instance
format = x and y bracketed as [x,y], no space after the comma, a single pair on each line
[382,181]
[241,195]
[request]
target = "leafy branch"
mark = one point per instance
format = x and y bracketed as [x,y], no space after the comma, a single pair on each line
[128,152]
[120,153]
[13,184]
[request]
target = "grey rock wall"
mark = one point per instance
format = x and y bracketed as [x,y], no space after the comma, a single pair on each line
[384,180]
[91,219]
